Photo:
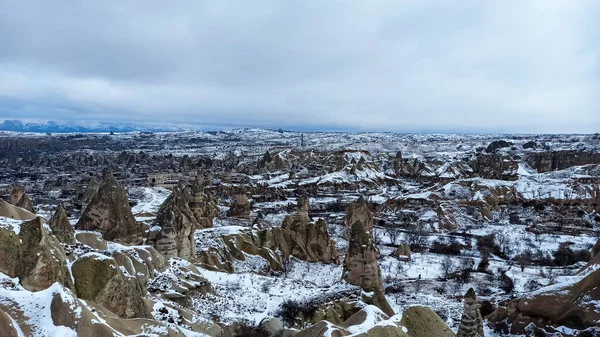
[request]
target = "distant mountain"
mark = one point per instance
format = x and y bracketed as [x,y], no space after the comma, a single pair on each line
[57,127]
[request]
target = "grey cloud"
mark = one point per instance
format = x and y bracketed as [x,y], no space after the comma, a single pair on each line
[373,65]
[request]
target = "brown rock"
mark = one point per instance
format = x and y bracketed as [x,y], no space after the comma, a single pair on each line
[7,326]
[403,251]
[109,212]
[42,259]
[93,240]
[173,229]
[19,198]
[323,329]
[471,322]
[360,264]
[358,211]
[14,212]
[61,227]
[423,322]
[99,279]
[240,207]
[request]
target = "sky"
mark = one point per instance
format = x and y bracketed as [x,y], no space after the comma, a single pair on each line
[378,65]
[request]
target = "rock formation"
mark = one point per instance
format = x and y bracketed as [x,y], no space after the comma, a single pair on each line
[303,205]
[172,233]
[358,211]
[423,322]
[61,227]
[571,304]
[360,264]
[240,207]
[41,259]
[98,278]
[470,323]
[109,212]
[11,211]
[202,205]
[19,198]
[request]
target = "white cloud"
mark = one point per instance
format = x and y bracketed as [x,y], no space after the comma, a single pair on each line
[378,65]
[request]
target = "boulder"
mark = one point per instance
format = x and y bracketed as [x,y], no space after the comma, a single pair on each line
[91,239]
[42,260]
[403,251]
[240,207]
[14,212]
[19,198]
[98,278]
[471,323]
[61,227]
[172,233]
[421,321]
[358,211]
[387,330]
[109,212]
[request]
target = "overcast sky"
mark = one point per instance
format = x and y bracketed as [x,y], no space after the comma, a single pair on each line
[376,65]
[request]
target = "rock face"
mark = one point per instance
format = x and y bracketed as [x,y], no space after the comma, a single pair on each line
[175,224]
[11,211]
[309,241]
[422,321]
[61,227]
[109,212]
[470,323]
[98,278]
[358,211]
[202,205]
[240,207]
[360,264]
[558,160]
[42,260]
[19,198]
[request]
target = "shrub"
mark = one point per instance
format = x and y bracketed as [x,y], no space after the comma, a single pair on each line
[251,331]
[565,256]
[439,247]
[501,327]
[486,308]
[290,310]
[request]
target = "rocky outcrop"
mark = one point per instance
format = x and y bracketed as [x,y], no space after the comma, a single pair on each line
[203,206]
[421,321]
[61,227]
[297,237]
[19,198]
[309,241]
[360,264]
[14,212]
[98,278]
[172,233]
[471,323]
[42,259]
[358,211]
[92,240]
[558,160]
[571,304]
[109,212]
[240,207]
